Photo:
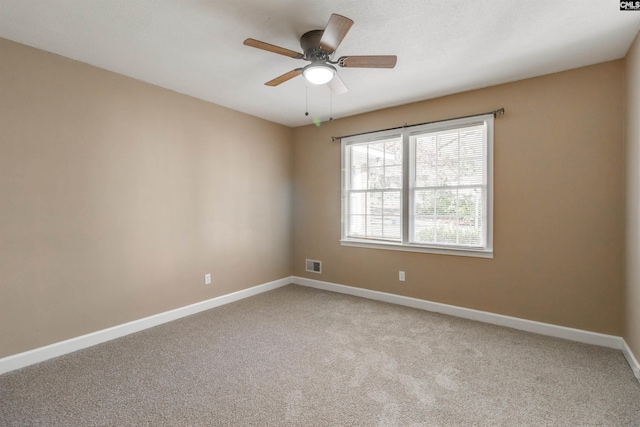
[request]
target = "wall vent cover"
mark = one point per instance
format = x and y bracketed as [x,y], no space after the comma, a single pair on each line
[314,266]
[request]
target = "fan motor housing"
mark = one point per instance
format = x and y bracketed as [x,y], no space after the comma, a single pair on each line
[310,44]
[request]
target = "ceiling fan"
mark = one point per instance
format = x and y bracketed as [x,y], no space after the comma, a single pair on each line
[318,47]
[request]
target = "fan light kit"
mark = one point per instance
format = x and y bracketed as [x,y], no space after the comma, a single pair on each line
[318,47]
[318,74]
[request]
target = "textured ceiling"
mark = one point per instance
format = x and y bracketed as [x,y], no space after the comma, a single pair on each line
[443,47]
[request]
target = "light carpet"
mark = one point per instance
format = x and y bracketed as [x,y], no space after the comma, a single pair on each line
[297,356]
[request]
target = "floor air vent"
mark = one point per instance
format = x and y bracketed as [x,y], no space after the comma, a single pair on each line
[314,266]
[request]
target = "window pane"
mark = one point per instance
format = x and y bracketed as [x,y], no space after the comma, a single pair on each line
[376,177]
[374,204]
[424,229]
[448,216]
[375,214]
[471,172]
[392,202]
[392,226]
[469,231]
[357,227]
[470,211]
[357,203]
[425,161]
[376,154]
[445,202]
[358,167]
[471,156]
[471,142]
[469,202]
[448,156]
[446,231]
[424,202]
[393,178]
[393,153]
[374,226]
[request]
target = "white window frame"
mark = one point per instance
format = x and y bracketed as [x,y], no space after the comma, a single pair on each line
[485,251]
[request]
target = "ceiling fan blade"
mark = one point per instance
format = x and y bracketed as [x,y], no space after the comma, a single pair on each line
[375,61]
[272,48]
[334,32]
[283,78]
[337,86]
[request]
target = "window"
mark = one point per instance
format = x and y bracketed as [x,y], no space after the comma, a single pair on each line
[424,188]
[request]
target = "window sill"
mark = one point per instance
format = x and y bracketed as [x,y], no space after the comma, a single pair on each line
[478,253]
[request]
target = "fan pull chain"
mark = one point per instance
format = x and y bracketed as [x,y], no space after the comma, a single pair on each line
[331,106]
[306,100]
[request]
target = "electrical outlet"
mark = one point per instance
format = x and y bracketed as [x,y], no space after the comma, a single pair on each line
[401,276]
[207,279]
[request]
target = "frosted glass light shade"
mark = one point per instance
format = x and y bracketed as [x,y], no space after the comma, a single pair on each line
[318,74]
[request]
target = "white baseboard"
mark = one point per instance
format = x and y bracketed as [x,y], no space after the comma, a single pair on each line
[41,354]
[631,359]
[578,335]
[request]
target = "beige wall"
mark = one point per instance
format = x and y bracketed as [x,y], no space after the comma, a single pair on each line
[116,197]
[559,204]
[632,291]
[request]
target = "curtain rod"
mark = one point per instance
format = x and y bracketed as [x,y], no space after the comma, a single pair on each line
[495,113]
